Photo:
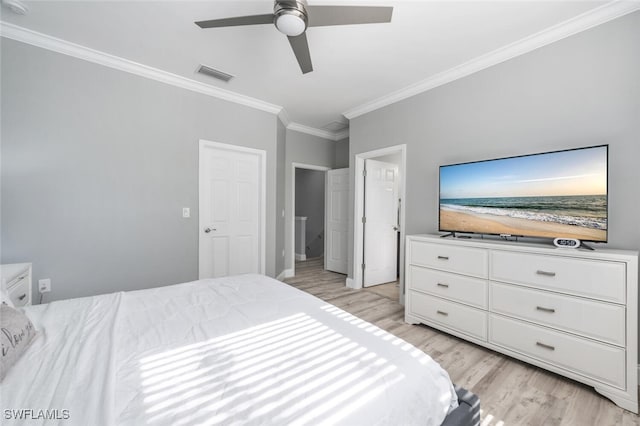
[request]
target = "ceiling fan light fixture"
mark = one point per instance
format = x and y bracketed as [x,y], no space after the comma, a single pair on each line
[291,22]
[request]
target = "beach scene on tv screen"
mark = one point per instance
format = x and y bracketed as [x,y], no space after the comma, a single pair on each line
[558,194]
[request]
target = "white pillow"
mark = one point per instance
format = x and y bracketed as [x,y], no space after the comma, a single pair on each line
[16,334]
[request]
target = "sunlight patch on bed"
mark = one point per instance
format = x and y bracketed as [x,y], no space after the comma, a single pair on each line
[246,366]
[256,346]
[295,370]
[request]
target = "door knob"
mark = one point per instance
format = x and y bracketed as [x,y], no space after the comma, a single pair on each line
[207,230]
[395,228]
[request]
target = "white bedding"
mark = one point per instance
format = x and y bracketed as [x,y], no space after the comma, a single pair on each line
[236,350]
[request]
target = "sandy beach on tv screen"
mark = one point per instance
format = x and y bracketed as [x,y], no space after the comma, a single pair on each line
[491,224]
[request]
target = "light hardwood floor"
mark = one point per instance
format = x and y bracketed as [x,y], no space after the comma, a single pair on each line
[389,290]
[511,392]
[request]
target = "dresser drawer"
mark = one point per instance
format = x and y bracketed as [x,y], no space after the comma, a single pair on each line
[595,279]
[18,290]
[472,291]
[462,260]
[459,317]
[602,321]
[595,360]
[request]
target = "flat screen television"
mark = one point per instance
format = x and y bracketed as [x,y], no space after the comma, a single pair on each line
[560,194]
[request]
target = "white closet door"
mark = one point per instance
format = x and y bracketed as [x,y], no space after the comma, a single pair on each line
[231,210]
[336,212]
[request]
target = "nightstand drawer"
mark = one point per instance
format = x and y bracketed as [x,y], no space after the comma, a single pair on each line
[595,279]
[459,317]
[18,291]
[16,279]
[461,260]
[597,320]
[472,291]
[591,359]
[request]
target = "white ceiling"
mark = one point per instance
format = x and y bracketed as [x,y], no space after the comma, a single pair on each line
[353,65]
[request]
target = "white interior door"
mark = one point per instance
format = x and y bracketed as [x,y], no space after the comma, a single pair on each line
[381,221]
[231,210]
[336,211]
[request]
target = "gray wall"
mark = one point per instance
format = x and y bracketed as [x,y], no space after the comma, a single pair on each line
[304,149]
[97,165]
[580,91]
[341,159]
[310,203]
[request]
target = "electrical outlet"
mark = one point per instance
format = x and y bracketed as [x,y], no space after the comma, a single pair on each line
[186,212]
[44,286]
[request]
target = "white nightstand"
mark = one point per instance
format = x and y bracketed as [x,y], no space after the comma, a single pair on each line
[16,278]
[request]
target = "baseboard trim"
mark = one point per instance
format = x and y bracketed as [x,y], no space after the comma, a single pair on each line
[287,273]
[349,282]
[301,257]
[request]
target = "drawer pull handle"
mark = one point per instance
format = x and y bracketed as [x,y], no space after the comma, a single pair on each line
[443,285]
[543,345]
[22,297]
[443,257]
[546,273]
[543,309]
[442,313]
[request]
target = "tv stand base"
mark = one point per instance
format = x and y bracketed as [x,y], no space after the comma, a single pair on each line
[453,234]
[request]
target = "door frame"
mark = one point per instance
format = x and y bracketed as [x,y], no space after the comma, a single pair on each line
[262,210]
[358,228]
[292,212]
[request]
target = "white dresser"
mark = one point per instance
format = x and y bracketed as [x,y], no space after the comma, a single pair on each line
[573,312]
[16,278]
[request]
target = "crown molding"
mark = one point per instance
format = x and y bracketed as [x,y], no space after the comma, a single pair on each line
[44,41]
[284,117]
[582,22]
[65,47]
[342,134]
[301,128]
[325,134]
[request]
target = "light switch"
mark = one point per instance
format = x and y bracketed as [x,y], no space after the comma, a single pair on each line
[186,212]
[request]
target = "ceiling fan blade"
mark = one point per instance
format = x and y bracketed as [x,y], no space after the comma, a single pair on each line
[301,50]
[237,21]
[320,16]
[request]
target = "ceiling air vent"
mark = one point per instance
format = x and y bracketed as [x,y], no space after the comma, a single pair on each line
[336,126]
[212,72]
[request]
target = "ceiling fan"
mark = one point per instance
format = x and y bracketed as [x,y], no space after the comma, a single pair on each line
[292,18]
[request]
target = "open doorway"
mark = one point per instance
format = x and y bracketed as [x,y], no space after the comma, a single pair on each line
[379,220]
[309,210]
[308,203]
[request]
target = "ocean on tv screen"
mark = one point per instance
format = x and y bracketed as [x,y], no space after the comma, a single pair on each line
[557,194]
[583,217]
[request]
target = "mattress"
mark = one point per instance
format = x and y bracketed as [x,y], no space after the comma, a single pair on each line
[237,350]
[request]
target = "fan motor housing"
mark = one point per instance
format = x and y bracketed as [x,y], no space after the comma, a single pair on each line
[290,7]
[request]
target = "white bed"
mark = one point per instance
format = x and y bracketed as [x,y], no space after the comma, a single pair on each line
[237,350]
